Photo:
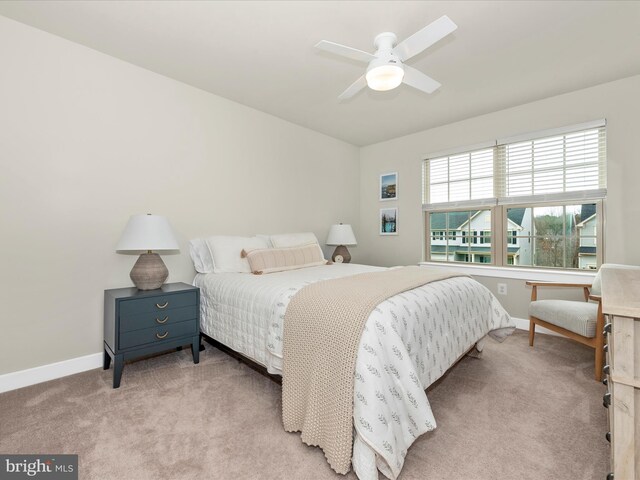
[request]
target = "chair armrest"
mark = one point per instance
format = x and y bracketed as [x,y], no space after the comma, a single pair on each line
[595,298]
[534,290]
[559,284]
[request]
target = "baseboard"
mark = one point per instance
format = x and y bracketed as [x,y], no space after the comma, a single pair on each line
[523,324]
[31,376]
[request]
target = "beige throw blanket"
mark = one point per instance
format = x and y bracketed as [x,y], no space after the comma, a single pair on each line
[322,329]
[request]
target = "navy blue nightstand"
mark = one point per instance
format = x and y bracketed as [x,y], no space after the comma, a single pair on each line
[141,322]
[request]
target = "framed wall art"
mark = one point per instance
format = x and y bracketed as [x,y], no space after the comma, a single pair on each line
[389,186]
[388,221]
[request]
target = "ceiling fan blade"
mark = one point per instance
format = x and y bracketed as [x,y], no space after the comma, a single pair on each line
[416,79]
[354,88]
[424,38]
[345,51]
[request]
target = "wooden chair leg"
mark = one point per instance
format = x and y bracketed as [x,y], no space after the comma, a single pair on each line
[532,332]
[599,362]
[532,325]
[599,344]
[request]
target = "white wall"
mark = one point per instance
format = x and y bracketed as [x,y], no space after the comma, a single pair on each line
[618,102]
[87,140]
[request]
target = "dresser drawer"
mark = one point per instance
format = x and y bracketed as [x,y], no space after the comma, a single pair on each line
[158,334]
[139,321]
[160,303]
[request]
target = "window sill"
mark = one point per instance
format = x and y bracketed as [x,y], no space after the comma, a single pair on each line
[516,273]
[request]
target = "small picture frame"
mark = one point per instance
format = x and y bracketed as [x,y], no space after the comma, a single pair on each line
[388,224]
[388,186]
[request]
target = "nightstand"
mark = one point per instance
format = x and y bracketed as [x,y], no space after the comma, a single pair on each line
[142,322]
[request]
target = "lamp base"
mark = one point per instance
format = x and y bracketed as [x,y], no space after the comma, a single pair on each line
[149,272]
[343,252]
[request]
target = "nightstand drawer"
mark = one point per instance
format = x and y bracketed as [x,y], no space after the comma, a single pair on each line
[160,303]
[139,321]
[158,334]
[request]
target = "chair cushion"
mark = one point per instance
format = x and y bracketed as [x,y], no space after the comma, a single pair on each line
[578,317]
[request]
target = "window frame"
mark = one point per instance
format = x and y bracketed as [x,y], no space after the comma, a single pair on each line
[500,239]
[500,222]
[467,238]
[599,240]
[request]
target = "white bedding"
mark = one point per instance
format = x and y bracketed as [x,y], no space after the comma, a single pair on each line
[408,342]
[239,309]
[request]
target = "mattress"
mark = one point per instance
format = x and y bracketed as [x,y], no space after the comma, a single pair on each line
[409,341]
[239,309]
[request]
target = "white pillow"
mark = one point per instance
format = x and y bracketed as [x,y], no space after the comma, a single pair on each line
[226,252]
[201,256]
[287,240]
[266,238]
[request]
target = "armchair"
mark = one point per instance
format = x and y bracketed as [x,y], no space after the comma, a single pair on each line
[579,321]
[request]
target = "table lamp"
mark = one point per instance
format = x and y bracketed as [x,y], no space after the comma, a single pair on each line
[341,235]
[147,233]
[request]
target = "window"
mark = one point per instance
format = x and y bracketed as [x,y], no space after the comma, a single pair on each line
[462,243]
[461,177]
[556,236]
[437,235]
[533,200]
[556,164]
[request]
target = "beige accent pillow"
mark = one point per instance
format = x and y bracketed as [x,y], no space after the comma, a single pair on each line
[270,260]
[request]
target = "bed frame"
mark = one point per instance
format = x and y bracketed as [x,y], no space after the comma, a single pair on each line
[262,370]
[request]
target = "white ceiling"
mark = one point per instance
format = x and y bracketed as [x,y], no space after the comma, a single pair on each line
[261,53]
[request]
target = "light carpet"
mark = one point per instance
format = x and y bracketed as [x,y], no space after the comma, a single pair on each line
[517,413]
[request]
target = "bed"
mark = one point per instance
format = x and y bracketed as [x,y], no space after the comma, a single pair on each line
[409,341]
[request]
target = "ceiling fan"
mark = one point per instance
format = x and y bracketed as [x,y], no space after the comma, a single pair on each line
[386,69]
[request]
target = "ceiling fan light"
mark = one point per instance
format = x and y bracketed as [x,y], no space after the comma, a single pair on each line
[385,77]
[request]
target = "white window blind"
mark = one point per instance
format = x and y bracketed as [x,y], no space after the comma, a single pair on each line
[557,167]
[566,164]
[460,178]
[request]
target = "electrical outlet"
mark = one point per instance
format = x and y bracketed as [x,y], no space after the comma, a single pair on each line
[502,289]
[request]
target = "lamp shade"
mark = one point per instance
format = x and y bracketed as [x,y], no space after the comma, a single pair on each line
[341,235]
[147,232]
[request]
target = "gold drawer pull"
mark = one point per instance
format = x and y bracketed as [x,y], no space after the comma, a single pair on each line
[166,304]
[160,337]
[164,320]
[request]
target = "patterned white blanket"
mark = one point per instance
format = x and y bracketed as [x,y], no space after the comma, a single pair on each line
[409,341]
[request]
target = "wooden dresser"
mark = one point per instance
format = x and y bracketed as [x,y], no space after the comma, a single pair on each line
[621,305]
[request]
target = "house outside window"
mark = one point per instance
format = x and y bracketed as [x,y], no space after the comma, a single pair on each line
[587,244]
[534,200]
[464,228]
